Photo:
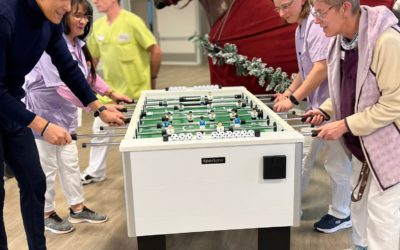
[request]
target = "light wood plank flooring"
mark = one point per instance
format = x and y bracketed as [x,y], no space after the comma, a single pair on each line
[108,197]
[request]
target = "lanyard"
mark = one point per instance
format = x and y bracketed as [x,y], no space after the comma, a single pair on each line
[361,183]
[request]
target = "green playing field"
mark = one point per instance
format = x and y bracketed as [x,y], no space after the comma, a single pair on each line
[153,126]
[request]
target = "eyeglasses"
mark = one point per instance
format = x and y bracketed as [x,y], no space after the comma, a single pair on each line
[321,15]
[81,17]
[283,7]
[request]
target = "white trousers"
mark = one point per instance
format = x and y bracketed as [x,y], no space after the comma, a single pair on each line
[338,165]
[376,217]
[98,154]
[64,160]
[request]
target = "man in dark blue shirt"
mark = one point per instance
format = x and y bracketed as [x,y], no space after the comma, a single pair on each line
[27,29]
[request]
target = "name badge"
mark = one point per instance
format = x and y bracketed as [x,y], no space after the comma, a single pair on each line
[123,37]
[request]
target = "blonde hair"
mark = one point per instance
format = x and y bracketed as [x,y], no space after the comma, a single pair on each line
[305,9]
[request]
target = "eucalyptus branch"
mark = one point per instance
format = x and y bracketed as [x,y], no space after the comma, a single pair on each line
[277,79]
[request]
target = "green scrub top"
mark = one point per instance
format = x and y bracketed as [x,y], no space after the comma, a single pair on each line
[122,49]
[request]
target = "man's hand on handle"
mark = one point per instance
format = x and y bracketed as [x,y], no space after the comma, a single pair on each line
[51,132]
[57,135]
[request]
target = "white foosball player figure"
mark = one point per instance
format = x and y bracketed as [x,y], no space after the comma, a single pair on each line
[189,116]
[220,127]
[209,107]
[254,114]
[202,100]
[211,116]
[209,96]
[169,116]
[232,115]
[170,130]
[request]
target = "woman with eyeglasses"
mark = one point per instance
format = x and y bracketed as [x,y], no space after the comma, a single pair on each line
[311,83]
[49,97]
[363,69]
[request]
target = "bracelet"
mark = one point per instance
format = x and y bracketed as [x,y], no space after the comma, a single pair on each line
[46,127]
[293,100]
[101,109]
[153,77]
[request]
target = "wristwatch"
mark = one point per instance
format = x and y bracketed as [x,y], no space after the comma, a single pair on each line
[101,109]
[293,100]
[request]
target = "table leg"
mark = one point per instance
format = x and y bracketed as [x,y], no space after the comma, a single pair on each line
[152,242]
[274,238]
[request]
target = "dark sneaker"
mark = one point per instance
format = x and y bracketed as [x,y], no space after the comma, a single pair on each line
[331,224]
[87,179]
[57,225]
[86,215]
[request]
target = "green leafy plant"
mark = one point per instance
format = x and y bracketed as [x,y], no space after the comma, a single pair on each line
[276,79]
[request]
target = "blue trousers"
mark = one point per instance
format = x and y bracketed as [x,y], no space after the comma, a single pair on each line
[18,150]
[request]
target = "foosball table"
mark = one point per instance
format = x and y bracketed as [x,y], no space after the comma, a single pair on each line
[208,159]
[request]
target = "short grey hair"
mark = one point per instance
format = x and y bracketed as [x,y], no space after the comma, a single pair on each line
[354,3]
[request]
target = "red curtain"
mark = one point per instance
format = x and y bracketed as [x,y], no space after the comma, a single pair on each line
[387,3]
[257,31]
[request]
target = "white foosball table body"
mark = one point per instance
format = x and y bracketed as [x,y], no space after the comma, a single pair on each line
[209,184]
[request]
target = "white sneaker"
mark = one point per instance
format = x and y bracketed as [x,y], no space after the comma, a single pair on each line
[87,179]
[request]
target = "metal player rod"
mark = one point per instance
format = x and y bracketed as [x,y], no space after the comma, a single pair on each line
[267,103]
[99,135]
[194,111]
[218,100]
[184,117]
[302,126]
[90,144]
[184,98]
[300,118]
[313,133]
[195,105]
[262,95]
[112,128]
[129,106]
[266,97]
[293,112]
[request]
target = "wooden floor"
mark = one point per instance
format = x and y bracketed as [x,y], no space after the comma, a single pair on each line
[108,197]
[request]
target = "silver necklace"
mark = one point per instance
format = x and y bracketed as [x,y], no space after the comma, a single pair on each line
[349,45]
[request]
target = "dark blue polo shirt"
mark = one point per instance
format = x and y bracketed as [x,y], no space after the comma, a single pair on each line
[25,33]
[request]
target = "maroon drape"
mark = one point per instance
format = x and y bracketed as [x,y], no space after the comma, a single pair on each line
[258,31]
[387,3]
